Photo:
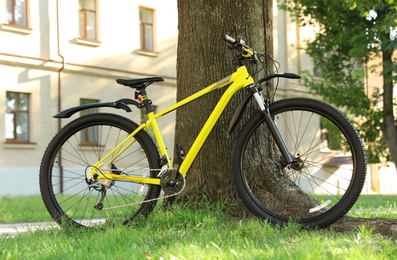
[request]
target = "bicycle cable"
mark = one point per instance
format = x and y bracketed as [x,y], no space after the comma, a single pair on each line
[276,65]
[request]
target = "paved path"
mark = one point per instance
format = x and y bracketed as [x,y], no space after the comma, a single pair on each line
[11,230]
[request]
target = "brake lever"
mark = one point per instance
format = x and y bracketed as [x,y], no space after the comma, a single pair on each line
[241,42]
[255,57]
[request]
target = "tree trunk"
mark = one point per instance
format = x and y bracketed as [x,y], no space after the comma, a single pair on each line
[389,129]
[203,58]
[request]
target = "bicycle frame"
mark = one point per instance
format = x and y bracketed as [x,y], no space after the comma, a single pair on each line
[238,80]
[326,182]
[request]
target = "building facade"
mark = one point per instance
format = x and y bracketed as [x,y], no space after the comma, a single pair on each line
[58,54]
[55,54]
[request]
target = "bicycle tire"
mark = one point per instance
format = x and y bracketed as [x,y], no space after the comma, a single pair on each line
[79,145]
[330,150]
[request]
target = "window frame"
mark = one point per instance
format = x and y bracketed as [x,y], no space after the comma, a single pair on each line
[84,26]
[84,101]
[16,113]
[13,22]
[143,45]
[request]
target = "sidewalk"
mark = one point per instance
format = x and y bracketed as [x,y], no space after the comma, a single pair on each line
[11,230]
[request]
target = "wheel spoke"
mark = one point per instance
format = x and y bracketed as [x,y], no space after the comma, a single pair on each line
[331,170]
[79,146]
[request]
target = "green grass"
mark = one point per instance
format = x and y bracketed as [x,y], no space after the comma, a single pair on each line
[182,233]
[31,209]
[22,209]
[201,234]
[376,201]
[375,206]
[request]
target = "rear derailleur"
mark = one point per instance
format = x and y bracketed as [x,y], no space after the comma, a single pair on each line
[100,185]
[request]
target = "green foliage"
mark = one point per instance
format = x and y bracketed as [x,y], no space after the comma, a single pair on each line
[351,33]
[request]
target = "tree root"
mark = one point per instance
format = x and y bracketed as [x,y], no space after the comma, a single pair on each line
[384,226]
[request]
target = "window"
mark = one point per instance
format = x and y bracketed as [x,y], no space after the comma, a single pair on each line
[146,18]
[17,117]
[17,12]
[88,19]
[90,135]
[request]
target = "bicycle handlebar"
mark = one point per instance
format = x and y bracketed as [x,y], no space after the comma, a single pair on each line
[229,39]
[247,52]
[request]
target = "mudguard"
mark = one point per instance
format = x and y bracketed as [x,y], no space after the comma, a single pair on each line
[240,110]
[119,104]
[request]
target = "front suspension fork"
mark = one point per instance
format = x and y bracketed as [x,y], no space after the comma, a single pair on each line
[265,109]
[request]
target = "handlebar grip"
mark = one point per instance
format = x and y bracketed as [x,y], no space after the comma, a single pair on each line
[229,39]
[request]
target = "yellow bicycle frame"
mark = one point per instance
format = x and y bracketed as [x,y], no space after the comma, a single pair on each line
[237,81]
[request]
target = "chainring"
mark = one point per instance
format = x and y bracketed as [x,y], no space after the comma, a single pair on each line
[170,187]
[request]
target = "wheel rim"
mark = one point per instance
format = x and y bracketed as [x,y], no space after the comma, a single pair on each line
[74,200]
[324,175]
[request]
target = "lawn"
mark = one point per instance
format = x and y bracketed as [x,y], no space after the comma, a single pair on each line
[206,233]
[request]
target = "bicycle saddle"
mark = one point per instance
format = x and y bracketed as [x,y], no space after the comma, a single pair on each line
[139,83]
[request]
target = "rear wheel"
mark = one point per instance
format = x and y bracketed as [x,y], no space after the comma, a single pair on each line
[69,195]
[329,175]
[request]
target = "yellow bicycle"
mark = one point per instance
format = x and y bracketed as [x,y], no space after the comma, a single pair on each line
[103,167]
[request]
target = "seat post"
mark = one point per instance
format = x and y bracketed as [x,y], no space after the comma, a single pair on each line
[143,98]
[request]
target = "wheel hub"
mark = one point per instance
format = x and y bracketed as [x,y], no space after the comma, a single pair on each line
[298,164]
[92,178]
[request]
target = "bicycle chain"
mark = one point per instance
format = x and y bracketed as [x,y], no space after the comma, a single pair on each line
[149,200]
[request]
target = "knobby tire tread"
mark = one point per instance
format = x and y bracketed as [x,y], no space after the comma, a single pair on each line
[62,136]
[357,181]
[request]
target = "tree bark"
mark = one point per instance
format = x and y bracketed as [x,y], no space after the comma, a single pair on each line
[203,58]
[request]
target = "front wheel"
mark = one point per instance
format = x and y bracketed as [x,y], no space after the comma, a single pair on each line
[67,187]
[329,175]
